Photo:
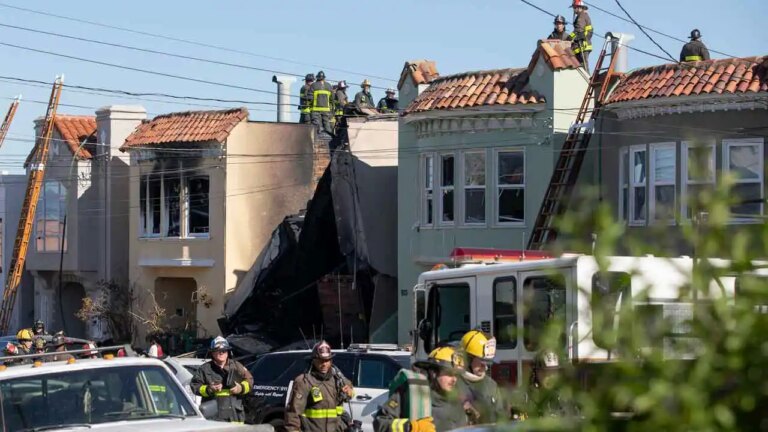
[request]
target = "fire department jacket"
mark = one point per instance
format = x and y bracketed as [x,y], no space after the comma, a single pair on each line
[363,100]
[305,98]
[340,100]
[582,33]
[559,36]
[315,404]
[230,406]
[387,105]
[694,51]
[447,414]
[321,94]
[484,396]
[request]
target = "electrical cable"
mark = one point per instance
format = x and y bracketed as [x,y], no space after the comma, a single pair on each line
[645,32]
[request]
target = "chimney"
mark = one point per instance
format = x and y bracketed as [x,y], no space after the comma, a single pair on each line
[283,97]
[621,43]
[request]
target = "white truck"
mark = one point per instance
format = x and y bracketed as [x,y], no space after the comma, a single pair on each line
[115,394]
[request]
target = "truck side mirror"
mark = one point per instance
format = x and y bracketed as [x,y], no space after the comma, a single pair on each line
[425,333]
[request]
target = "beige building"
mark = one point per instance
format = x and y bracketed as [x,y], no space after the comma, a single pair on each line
[207,188]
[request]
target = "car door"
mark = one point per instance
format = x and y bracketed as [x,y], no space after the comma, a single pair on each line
[374,373]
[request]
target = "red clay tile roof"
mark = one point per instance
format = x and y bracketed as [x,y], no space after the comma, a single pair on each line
[420,71]
[76,129]
[186,127]
[557,54]
[475,89]
[724,76]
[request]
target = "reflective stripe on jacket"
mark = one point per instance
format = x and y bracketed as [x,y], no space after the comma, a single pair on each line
[230,406]
[582,33]
[322,96]
[694,51]
[314,405]
[305,107]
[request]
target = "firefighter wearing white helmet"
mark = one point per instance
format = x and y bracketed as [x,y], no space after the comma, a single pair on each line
[443,367]
[482,398]
[224,380]
[545,398]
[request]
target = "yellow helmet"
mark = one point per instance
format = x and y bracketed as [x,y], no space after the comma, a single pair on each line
[366,82]
[443,357]
[25,335]
[477,344]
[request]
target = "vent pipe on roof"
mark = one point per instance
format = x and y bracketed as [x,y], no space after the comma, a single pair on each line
[283,97]
[621,43]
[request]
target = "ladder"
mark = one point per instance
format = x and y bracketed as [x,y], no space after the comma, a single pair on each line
[8,119]
[574,148]
[28,208]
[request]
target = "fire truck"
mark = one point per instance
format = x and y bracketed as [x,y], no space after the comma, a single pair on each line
[517,295]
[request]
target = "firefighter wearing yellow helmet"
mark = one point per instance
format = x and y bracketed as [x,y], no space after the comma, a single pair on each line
[480,394]
[23,346]
[442,368]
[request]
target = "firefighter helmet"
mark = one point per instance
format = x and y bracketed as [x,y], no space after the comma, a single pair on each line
[342,84]
[309,77]
[476,344]
[320,75]
[92,353]
[39,343]
[38,326]
[579,3]
[548,359]
[695,34]
[25,335]
[390,91]
[58,340]
[366,82]
[220,344]
[443,358]
[322,351]
[559,19]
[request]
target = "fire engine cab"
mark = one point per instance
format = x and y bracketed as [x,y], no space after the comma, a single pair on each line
[516,295]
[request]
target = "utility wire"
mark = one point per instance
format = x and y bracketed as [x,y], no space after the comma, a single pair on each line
[645,32]
[187,41]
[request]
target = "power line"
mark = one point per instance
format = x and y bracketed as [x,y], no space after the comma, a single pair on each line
[186,41]
[645,32]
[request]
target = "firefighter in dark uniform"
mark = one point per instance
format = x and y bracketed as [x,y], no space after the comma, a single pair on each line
[695,50]
[363,98]
[38,328]
[305,104]
[23,346]
[340,99]
[322,100]
[559,31]
[482,398]
[581,36]
[224,380]
[544,399]
[442,368]
[388,104]
[317,398]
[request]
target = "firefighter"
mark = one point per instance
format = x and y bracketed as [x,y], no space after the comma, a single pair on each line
[581,36]
[559,31]
[316,401]
[544,399]
[38,328]
[388,104]
[224,380]
[59,344]
[482,398]
[92,354]
[695,50]
[305,98]
[340,99]
[23,345]
[322,98]
[442,368]
[363,98]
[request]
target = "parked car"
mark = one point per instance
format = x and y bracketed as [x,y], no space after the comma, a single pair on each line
[370,367]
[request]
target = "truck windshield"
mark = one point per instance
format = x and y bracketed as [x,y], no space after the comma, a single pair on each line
[91,396]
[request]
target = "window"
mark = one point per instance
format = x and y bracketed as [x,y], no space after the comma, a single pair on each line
[448,311]
[510,187]
[624,184]
[743,159]
[51,208]
[375,373]
[428,206]
[543,306]
[663,163]
[505,312]
[474,188]
[174,205]
[447,172]
[637,191]
[611,292]
[698,175]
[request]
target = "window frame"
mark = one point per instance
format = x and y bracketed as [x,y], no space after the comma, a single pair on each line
[624,213]
[427,194]
[633,186]
[650,176]
[462,199]
[147,218]
[496,282]
[442,189]
[187,207]
[685,183]
[727,144]
[497,187]
[41,235]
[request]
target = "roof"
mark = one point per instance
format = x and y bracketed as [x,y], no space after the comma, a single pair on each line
[556,53]
[723,76]
[186,127]
[420,72]
[73,131]
[475,89]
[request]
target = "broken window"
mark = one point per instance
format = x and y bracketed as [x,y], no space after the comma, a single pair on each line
[198,190]
[698,175]
[638,199]
[744,161]
[663,163]
[510,187]
[428,211]
[474,188]
[447,188]
[173,204]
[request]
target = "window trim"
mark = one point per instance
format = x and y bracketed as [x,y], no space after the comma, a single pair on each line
[442,188]
[624,213]
[63,204]
[727,143]
[496,187]
[184,213]
[632,185]
[423,195]
[464,188]
[185,194]
[652,183]
[685,183]
[494,330]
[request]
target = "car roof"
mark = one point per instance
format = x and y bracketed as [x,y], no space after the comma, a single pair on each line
[24,370]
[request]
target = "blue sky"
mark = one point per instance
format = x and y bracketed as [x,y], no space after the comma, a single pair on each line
[371,38]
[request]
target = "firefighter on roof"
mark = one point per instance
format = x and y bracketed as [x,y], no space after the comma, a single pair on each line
[317,398]
[695,50]
[481,396]
[443,367]
[305,97]
[322,100]
[363,98]
[388,104]
[581,36]
[559,31]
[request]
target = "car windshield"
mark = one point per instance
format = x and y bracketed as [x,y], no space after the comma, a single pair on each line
[91,396]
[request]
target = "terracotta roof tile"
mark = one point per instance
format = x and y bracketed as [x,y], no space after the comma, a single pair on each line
[186,127]
[420,72]
[556,53]
[474,89]
[76,129]
[724,76]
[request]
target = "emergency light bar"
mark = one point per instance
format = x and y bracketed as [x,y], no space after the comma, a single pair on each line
[497,255]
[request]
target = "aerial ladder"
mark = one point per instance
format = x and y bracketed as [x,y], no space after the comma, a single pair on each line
[8,119]
[571,157]
[28,208]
